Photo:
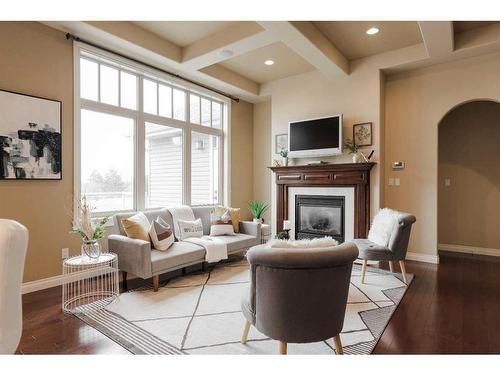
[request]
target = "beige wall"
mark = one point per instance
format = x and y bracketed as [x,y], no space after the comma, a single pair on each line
[469,152]
[313,94]
[38,60]
[415,104]
[242,156]
[262,150]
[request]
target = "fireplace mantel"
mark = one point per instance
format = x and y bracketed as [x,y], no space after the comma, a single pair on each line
[356,175]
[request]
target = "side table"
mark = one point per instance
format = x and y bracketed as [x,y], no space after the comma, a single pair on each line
[89,284]
[265,233]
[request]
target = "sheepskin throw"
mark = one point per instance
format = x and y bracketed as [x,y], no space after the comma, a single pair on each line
[382,226]
[305,243]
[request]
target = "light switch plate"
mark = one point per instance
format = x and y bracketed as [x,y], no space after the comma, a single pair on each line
[447,182]
[391,181]
[397,181]
[65,253]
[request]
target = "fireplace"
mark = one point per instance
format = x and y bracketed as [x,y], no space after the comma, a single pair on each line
[319,216]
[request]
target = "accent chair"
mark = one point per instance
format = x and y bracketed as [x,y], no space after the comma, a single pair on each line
[298,295]
[13,247]
[390,243]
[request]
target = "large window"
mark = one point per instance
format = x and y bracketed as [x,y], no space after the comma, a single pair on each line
[145,141]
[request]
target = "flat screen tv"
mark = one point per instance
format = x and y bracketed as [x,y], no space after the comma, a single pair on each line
[315,137]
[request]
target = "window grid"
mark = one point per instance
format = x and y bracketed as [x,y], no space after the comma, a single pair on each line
[141,117]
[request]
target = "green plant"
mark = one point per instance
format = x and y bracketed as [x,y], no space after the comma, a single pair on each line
[258,208]
[351,146]
[87,228]
[284,153]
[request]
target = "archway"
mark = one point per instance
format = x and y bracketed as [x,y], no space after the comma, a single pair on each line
[469,178]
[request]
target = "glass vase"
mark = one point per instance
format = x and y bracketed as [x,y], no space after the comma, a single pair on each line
[92,249]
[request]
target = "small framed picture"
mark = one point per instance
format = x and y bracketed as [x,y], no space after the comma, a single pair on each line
[362,134]
[281,143]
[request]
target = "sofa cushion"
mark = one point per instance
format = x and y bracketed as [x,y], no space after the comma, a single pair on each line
[150,214]
[371,251]
[238,241]
[178,254]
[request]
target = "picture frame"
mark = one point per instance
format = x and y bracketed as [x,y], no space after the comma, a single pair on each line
[362,134]
[281,143]
[30,137]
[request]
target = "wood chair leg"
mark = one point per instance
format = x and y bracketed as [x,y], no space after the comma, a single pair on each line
[403,270]
[156,282]
[338,345]
[363,271]
[124,280]
[282,347]
[391,266]
[246,328]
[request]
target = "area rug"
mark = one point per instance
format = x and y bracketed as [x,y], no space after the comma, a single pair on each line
[200,314]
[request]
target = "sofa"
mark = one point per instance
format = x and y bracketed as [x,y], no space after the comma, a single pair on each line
[138,258]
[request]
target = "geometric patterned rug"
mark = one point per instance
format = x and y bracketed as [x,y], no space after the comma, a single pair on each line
[200,313]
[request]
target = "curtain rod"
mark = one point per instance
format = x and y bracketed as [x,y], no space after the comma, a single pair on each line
[77,39]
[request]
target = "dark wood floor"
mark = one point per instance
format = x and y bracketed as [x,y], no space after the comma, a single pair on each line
[450,308]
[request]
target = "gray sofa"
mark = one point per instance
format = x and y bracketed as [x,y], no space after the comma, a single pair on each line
[137,257]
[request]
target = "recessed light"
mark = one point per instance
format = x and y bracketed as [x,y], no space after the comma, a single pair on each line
[226,53]
[372,31]
[269,62]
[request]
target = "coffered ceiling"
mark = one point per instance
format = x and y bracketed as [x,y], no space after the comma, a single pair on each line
[230,55]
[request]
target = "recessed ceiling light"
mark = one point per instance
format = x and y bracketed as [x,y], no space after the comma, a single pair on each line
[226,53]
[372,31]
[269,62]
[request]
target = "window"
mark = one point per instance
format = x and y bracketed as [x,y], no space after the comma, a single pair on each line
[145,141]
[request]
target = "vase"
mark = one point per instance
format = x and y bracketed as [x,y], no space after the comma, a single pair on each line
[285,162]
[356,158]
[255,220]
[92,249]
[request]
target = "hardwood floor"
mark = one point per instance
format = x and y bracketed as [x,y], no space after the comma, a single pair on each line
[452,308]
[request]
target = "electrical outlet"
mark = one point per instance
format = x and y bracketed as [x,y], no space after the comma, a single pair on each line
[391,181]
[397,182]
[65,253]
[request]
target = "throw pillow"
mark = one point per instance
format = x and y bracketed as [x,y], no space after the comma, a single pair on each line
[221,223]
[235,216]
[190,228]
[382,226]
[161,234]
[137,227]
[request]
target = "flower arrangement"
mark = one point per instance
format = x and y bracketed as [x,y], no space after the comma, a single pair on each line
[351,146]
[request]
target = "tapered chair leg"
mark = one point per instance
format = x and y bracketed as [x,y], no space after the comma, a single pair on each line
[124,280]
[403,270]
[282,347]
[363,271]
[156,282]
[246,328]
[391,266]
[338,345]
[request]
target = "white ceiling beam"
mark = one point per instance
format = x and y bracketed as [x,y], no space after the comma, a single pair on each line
[437,36]
[239,38]
[311,44]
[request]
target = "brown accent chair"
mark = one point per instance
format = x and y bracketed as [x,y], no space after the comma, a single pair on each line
[298,295]
[395,250]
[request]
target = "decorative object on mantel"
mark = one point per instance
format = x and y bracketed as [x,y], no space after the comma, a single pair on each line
[353,149]
[276,163]
[89,230]
[258,209]
[30,137]
[283,235]
[281,143]
[362,134]
[284,155]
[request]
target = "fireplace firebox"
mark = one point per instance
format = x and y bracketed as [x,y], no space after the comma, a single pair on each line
[320,216]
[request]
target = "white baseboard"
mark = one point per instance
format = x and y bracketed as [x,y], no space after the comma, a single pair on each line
[49,282]
[426,258]
[470,249]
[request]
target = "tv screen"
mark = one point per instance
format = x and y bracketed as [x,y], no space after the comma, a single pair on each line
[316,137]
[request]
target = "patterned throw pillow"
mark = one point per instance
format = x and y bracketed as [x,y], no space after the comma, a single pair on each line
[234,213]
[161,234]
[221,223]
[137,227]
[190,228]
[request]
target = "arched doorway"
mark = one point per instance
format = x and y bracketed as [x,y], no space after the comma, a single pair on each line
[469,178]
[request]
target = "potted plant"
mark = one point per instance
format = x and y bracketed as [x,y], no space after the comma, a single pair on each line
[353,149]
[284,155]
[90,230]
[258,209]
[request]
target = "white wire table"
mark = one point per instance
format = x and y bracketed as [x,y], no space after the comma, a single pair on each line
[89,284]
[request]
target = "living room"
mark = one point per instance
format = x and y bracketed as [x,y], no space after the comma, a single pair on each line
[250,184]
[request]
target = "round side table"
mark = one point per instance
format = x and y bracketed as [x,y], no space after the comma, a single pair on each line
[89,284]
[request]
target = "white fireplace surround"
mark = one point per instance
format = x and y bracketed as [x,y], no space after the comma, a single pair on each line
[346,192]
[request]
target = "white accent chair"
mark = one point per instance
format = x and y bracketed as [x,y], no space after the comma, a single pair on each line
[13,247]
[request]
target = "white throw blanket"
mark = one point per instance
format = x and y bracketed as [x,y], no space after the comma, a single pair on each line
[215,248]
[180,213]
